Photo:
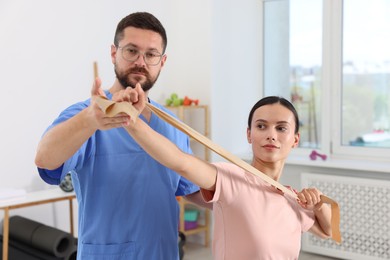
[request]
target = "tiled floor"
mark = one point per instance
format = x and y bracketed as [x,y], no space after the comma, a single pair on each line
[199,252]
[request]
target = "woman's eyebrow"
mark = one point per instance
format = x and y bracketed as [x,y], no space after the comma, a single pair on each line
[265,121]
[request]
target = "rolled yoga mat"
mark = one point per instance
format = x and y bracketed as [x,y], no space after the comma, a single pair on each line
[21,251]
[21,229]
[48,239]
[71,254]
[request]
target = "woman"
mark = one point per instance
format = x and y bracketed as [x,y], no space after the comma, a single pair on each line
[252,220]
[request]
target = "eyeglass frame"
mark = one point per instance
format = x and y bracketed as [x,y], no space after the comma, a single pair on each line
[139,53]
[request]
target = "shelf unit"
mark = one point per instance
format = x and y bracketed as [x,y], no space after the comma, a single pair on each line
[197,118]
[201,228]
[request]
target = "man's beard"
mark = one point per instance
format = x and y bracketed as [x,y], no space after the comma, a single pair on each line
[124,79]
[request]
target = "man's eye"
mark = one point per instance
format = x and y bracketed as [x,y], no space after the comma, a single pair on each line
[151,55]
[131,51]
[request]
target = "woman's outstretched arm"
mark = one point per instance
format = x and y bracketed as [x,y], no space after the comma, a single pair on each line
[164,151]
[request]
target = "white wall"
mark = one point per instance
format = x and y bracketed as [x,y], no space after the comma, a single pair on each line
[47,49]
[236,71]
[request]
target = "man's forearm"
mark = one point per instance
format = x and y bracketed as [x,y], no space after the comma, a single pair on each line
[62,141]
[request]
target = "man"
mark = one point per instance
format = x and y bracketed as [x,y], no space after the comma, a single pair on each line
[127,204]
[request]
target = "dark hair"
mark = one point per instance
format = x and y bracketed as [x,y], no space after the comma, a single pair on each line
[141,20]
[272,100]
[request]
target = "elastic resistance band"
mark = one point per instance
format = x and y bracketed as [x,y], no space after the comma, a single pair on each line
[112,108]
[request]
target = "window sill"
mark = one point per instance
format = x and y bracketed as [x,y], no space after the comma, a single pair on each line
[341,163]
[334,163]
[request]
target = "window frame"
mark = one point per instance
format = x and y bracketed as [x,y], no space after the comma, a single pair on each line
[331,98]
[333,10]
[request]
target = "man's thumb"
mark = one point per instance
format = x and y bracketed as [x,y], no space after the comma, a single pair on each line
[97,89]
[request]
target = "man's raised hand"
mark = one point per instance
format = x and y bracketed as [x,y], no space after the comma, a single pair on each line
[98,120]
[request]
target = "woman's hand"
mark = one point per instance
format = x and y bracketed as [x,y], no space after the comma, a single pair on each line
[310,198]
[135,96]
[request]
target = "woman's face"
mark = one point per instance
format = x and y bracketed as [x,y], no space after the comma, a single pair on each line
[272,133]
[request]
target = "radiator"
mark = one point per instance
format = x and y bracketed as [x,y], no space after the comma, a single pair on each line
[365,217]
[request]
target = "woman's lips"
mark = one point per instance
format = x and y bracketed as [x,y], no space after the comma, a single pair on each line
[270,146]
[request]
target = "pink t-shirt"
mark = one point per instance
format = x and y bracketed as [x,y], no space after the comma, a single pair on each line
[252,220]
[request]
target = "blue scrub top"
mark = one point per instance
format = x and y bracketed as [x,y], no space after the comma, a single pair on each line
[126,200]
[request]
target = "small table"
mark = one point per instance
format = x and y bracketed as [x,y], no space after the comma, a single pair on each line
[33,199]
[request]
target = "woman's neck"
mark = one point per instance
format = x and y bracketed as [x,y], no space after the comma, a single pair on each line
[271,169]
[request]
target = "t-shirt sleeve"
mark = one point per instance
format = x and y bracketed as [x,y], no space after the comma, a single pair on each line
[211,196]
[186,187]
[307,219]
[52,177]
[55,176]
[306,216]
[229,180]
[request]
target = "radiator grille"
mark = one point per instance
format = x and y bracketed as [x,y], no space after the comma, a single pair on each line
[365,217]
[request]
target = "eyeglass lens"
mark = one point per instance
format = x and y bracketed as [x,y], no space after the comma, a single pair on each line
[132,54]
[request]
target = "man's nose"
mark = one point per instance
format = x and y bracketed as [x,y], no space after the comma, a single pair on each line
[140,61]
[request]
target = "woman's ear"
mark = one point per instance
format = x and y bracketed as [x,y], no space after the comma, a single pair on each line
[296,140]
[248,135]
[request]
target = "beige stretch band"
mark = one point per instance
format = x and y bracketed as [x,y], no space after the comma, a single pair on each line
[111,108]
[104,103]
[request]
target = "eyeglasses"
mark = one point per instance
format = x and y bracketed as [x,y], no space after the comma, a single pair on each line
[131,54]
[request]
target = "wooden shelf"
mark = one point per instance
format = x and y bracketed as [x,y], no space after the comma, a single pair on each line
[197,117]
[201,228]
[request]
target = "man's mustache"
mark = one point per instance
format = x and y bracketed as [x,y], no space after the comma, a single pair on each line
[139,70]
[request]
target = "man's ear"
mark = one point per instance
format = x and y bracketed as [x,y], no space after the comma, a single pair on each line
[113,53]
[163,60]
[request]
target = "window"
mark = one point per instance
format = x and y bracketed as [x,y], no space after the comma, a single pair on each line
[365,92]
[331,59]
